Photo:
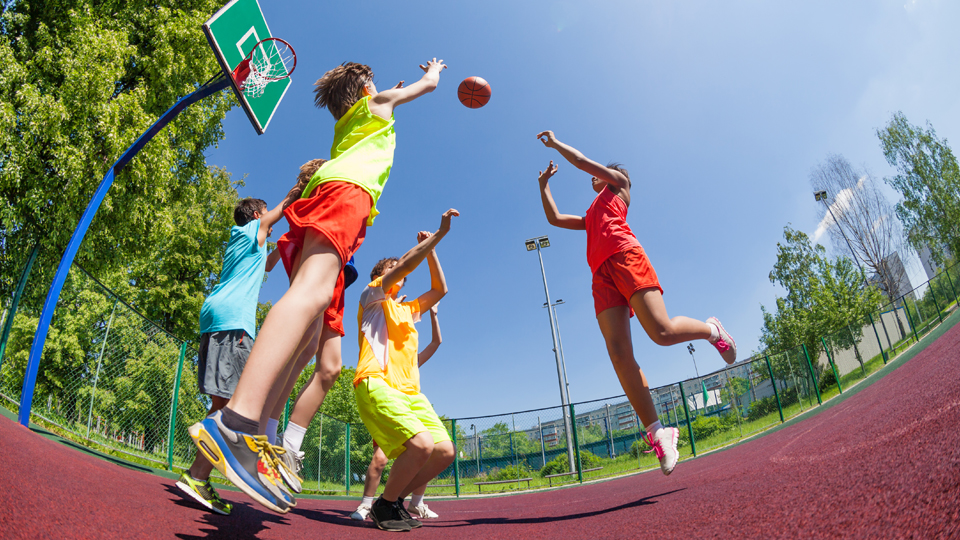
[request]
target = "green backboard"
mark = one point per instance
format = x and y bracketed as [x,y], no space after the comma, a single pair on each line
[233,31]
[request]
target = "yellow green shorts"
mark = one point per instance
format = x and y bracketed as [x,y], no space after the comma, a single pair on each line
[393,417]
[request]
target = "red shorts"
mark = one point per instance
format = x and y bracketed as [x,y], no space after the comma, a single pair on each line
[620,277]
[338,211]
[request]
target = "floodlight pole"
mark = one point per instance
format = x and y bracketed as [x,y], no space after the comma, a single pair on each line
[556,352]
[563,362]
[50,304]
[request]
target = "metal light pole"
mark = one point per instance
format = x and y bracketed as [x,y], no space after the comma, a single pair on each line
[537,244]
[476,447]
[563,362]
[691,350]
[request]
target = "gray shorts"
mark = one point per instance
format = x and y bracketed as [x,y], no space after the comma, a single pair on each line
[222,357]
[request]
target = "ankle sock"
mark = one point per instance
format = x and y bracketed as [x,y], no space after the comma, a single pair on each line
[368,501]
[272,424]
[239,423]
[714,333]
[415,499]
[293,437]
[653,428]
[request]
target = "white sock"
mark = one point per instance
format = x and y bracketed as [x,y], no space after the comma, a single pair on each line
[368,501]
[653,428]
[293,437]
[415,500]
[272,425]
[714,333]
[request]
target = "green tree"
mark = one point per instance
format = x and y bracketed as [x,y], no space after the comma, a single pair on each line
[928,179]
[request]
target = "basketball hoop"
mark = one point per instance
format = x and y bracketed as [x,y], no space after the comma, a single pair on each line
[271,59]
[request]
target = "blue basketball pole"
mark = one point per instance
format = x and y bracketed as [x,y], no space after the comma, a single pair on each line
[50,304]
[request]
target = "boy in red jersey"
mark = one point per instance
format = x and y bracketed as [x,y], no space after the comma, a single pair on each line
[624,283]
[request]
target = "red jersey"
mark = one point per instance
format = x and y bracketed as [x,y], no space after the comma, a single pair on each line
[607,229]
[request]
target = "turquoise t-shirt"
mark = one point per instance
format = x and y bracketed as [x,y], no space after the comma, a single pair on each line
[233,303]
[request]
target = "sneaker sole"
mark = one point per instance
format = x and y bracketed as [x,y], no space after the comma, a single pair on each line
[195,496]
[294,486]
[209,447]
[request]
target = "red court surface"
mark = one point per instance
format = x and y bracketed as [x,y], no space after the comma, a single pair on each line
[882,462]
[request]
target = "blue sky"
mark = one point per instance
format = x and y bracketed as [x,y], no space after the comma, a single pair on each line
[718,109]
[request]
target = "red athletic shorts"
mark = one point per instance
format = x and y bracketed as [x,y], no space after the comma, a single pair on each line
[338,211]
[620,276]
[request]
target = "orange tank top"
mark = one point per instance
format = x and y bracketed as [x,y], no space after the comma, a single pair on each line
[607,229]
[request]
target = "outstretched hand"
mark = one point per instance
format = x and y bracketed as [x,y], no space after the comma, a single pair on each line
[545,175]
[445,220]
[436,65]
[548,139]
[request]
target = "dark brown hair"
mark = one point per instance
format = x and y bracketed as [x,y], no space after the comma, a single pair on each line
[340,87]
[380,267]
[243,211]
[621,169]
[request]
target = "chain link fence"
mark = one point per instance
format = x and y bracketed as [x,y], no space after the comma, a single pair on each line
[115,381]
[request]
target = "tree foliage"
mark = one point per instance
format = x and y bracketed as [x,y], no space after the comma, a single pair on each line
[928,179]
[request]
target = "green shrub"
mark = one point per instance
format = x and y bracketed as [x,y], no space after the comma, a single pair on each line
[827,379]
[705,426]
[511,472]
[762,407]
[559,464]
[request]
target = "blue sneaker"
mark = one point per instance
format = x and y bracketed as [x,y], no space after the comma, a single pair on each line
[245,460]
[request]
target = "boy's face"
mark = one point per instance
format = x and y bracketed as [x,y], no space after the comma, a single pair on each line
[597,184]
[259,215]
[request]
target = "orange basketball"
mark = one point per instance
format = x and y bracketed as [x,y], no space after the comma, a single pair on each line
[474,92]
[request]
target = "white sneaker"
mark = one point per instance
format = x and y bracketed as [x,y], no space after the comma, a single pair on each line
[423,511]
[290,464]
[361,514]
[724,344]
[666,448]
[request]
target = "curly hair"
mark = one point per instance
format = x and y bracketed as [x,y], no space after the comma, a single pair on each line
[341,87]
[381,266]
[621,169]
[243,211]
[307,171]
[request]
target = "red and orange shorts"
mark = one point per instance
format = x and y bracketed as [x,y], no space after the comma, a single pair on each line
[338,211]
[620,277]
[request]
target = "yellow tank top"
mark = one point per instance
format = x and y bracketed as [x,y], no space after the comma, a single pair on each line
[362,153]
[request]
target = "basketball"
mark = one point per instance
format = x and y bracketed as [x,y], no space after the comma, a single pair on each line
[474,92]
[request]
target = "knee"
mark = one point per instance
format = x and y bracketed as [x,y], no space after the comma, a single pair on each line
[378,463]
[328,374]
[445,451]
[620,352]
[421,445]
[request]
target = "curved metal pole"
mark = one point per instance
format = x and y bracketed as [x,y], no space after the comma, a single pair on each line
[50,304]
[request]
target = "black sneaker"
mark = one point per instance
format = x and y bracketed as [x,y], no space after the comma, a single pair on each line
[387,516]
[410,520]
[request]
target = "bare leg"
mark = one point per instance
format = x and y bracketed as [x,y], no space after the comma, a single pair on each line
[309,294]
[408,465]
[652,314]
[374,473]
[441,458]
[277,399]
[329,364]
[615,326]
[201,468]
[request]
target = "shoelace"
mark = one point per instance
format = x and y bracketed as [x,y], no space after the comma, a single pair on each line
[721,345]
[654,446]
[267,454]
[275,452]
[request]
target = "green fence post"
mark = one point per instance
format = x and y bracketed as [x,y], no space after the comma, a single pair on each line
[906,307]
[285,421]
[950,281]
[8,324]
[456,458]
[883,353]
[832,364]
[576,443]
[813,375]
[346,460]
[686,414]
[173,405]
[933,293]
[773,382]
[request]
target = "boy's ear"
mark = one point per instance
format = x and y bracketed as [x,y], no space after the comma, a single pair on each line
[365,91]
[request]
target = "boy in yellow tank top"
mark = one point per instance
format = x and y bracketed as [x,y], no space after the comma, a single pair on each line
[327,226]
[387,381]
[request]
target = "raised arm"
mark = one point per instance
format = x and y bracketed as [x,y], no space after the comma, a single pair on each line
[438,283]
[412,259]
[434,344]
[271,217]
[384,102]
[272,259]
[582,162]
[554,217]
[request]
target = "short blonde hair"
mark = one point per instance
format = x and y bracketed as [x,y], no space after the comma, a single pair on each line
[341,87]
[307,171]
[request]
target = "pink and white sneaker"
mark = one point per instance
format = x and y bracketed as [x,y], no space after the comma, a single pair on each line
[725,344]
[666,448]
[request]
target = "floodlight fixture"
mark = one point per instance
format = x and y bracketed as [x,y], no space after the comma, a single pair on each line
[544,242]
[820,195]
[531,245]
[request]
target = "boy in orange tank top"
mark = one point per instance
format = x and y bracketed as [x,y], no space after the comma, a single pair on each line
[624,283]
